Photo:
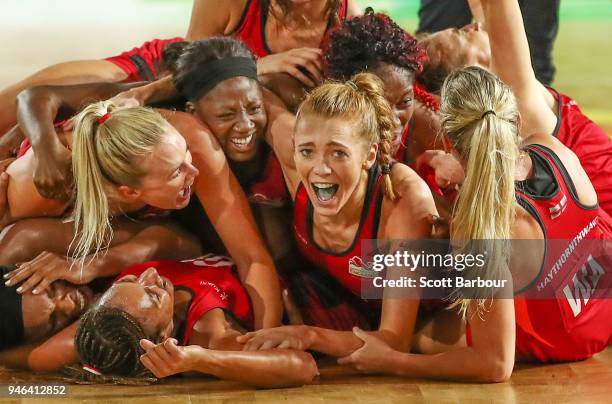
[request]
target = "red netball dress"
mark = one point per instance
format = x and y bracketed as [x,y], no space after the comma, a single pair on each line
[251,28]
[144,62]
[590,143]
[566,312]
[212,283]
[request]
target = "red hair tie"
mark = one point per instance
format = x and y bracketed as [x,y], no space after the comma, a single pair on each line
[92,370]
[104,117]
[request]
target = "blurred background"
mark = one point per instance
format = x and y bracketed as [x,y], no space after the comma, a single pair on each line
[37,33]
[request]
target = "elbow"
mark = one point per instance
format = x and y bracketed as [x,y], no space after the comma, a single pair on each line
[301,369]
[497,370]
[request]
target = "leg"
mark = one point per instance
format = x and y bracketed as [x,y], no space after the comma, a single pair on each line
[541,19]
[75,72]
[438,15]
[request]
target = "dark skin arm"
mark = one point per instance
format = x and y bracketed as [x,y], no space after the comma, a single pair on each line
[10,142]
[149,241]
[46,356]
[213,350]
[37,109]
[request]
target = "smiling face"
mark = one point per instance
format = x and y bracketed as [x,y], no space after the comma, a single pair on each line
[149,298]
[400,95]
[332,160]
[170,174]
[235,113]
[59,305]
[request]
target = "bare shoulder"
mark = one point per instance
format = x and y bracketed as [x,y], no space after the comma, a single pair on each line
[353,9]
[410,215]
[412,191]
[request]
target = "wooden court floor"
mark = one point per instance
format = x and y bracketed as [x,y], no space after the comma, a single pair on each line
[582,382]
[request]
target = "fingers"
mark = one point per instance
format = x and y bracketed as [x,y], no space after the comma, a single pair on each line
[295,72]
[243,339]
[148,363]
[5,163]
[294,315]
[347,360]
[362,335]
[146,344]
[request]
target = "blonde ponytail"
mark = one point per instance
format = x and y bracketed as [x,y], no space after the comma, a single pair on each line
[480,118]
[362,98]
[108,146]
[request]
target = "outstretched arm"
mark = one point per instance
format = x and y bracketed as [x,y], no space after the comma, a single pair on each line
[47,356]
[511,61]
[490,359]
[213,350]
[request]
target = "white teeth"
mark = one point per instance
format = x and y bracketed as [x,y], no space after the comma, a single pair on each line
[323,185]
[242,141]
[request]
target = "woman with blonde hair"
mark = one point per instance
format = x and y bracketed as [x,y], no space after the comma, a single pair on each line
[537,192]
[347,189]
[131,161]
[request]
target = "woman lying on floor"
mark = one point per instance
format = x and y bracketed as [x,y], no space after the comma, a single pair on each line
[254,264]
[157,319]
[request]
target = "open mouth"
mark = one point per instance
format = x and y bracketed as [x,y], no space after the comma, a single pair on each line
[185,192]
[325,192]
[243,143]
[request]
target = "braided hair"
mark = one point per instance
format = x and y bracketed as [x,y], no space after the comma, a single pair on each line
[108,340]
[361,97]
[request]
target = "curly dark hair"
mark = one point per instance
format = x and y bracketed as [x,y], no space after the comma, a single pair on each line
[363,43]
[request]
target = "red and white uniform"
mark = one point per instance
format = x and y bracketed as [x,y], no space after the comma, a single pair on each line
[212,282]
[565,314]
[143,63]
[590,143]
[346,267]
[251,28]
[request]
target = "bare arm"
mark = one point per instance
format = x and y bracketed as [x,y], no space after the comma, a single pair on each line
[47,356]
[279,135]
[489,359]
[511,61]
[142,242]
[229,211]
[213,350]
[37,110]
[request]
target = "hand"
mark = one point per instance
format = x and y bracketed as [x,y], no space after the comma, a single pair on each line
[449,172]
[293,313]
[42,271]
[168,358]
[372,357]
[286,337]
[53,173]
[10,142]
[292,61]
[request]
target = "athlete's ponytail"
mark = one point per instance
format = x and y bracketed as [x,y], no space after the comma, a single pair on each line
[480,118]
[107,150]
[360,99]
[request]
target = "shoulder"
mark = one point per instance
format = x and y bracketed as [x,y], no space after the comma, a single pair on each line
[410,215]
[411,190]
[353,9]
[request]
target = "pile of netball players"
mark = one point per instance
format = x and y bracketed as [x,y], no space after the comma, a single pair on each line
[283,134]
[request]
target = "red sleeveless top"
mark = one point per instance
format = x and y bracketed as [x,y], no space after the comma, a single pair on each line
[565,314]
[251,27]
[345,266]
[212,283]
[590,143]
